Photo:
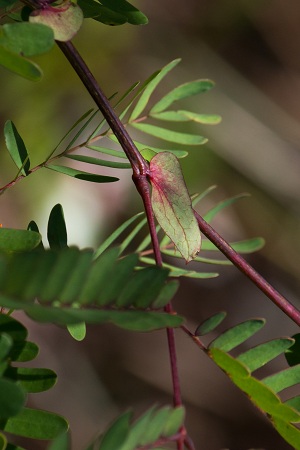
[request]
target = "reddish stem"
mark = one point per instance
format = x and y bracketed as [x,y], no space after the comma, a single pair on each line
[140,173]
[277,298]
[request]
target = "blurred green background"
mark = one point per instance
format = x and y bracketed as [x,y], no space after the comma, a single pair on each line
[250,49]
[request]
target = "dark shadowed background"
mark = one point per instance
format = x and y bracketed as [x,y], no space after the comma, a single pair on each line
[250,49]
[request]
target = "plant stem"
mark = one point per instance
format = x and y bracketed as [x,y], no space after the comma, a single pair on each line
[277,298]
[140,177]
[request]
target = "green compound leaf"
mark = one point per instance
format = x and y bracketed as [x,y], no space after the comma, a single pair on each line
[12,240]
[259,393]
[144,99]
[19,65]
[169,135]
[36,424]
[210,324]
[172,205]
[82,175]
[12,398]
[263,393]
[57,231]
[292,355]
[16,147]
[65,20]
[26,39]
[72,288]
[237,334]
[181,92]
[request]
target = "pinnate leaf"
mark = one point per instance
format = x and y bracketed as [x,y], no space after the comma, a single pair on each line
[237,335]
[172,205]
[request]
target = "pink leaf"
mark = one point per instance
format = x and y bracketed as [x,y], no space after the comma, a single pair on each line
[172,206]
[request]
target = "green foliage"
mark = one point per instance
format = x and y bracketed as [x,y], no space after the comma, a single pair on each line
[16,382]
[263,393]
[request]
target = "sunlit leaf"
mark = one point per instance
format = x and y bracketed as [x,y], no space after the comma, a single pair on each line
[82,175]
[16,147]
[170,135]
[261,395]
[183,91]
[172,205]
[143,101]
